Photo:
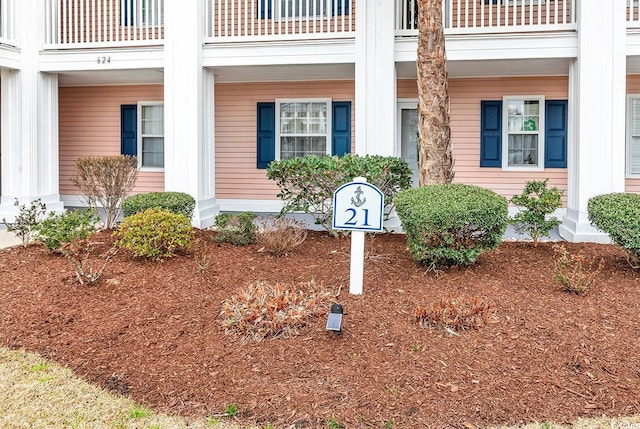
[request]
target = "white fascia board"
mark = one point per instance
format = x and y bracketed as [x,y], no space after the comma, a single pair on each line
[10,58]
[340,51]
[633,43]
[85,60]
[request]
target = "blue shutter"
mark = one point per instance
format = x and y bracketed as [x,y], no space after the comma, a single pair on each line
[127,12]
[490,133]
[337,7]
[492,1]
[129,129]
[266,134]
[265,5]
[341,128]
[555,134]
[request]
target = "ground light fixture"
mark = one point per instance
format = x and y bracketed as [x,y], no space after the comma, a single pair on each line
[334,320]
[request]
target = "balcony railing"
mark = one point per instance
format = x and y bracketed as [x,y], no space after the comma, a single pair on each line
[247,20]
[103,23]
[7,23]
[492,16]
[633,14]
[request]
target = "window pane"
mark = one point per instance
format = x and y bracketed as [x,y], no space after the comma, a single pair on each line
[152,119]
[303,118]
[297,8]
[523,115]
[635,116]
[293,147]
[152,151]
[634,152]
[523,150]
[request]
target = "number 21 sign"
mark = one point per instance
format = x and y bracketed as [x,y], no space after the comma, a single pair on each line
[357,206]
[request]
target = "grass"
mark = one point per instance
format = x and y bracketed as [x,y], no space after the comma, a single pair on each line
[38,394]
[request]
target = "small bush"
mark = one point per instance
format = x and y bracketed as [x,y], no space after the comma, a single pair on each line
[57,229]
[79,252]
[451,224]
[280,235]
[618,214]
[307,183]
[535,203]
[455,312]
[201,254]
[575,272]
[25,223]
[272,310]
[237,229]
[155,234]
[175,202]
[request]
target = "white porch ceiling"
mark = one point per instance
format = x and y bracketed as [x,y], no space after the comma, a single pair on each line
[111,77]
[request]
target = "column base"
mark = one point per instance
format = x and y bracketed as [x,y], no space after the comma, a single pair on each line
[575,228]
[205,212]
[9,211]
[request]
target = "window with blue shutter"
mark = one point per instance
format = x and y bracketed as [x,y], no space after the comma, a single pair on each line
[341,128]
[555,136]
[491,133]
[265,9]
[129,129]
[340,7]
[127,12]
[266,134]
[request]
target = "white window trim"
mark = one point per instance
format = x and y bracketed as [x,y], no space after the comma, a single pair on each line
[328,101]
[627,150]
[505,133]
[139,136]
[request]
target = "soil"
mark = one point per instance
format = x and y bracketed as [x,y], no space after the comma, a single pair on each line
[152,331]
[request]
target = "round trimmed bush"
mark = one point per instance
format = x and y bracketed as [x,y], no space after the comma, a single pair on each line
[176,202]
[618,214]
[451,224]
[155,233]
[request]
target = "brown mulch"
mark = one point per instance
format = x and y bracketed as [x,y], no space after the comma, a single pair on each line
[152,330]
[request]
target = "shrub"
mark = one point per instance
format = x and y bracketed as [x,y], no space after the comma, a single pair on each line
[25,223]
[175,202]
[79,251]
[535,203]
[271,310]
[201,254]
[237,229]
[155,234]
[451,224]
[455,312]
[575,272]
[280,235]
[58,229]
[307,183]
[618,214]
[105,181]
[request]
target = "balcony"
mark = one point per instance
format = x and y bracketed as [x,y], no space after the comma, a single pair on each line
[264,20]
[7,23]
[492,16]
[103,23]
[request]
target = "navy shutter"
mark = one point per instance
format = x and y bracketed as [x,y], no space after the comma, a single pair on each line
[555,134]
[490,133]
[492,1]
[129,129]
[266,134]
[127,15]
[341,128]
[265,5]
[337,7]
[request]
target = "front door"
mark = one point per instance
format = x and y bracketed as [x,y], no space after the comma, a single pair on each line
[409,137]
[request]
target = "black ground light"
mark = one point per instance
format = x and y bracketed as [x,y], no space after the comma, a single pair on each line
[334,320]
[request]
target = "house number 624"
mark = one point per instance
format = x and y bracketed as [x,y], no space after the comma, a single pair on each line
[104,60]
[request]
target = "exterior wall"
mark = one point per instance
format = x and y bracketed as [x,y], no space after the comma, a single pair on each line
[90,126]
[633,87]
[466,95]
[235,131]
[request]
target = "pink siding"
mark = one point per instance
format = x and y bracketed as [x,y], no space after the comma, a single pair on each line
[235,130]
[90,126]
[466,95]
[633,87]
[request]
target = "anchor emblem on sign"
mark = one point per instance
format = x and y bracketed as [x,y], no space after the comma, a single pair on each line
[357,201]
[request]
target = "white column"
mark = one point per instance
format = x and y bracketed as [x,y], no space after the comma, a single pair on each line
[375,74]
[188,107]
[596,153]
[29,131]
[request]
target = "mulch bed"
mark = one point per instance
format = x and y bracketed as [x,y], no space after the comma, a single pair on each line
[152,331]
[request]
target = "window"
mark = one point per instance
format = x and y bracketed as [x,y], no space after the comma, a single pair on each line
[633,136]
[144,13]
[523,125]
[151,137]
[296,8]
[303,128]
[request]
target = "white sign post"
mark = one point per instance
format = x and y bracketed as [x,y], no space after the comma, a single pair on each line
[357,207]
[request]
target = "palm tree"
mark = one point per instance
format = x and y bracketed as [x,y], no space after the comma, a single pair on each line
[435,159]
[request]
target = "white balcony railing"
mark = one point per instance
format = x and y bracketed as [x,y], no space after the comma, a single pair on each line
[246,20]
[492,16]
[103,23]
[7,23]
[633,14]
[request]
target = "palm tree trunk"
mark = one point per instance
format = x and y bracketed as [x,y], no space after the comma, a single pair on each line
[435,158]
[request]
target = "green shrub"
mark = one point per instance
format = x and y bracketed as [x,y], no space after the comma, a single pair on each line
[175,202]
[618,214]
[155,233]
[451,224]
[58,229]
[307,183]
[25,222]
[536,202]
[237,229]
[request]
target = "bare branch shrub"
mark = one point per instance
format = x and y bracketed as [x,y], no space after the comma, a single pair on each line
[455,312]
[574,271]
[105,181]
[201,254]
[79,252]
[280,235]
